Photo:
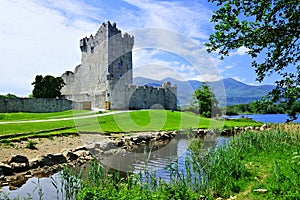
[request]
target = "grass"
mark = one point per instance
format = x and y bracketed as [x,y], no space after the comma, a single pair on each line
[267,160]
[42,116]
[143,120]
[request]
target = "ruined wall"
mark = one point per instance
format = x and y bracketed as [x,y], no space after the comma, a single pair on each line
[145,97]
[35,105]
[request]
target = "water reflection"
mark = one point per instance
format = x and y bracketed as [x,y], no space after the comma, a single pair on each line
[155,157]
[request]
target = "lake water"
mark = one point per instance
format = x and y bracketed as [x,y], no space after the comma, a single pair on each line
[267,118]
[158,161]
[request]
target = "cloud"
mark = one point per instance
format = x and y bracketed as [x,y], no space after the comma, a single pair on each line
[35,40]
[190,18]
[41,37]
[228,67]
[240,51]
[239,79]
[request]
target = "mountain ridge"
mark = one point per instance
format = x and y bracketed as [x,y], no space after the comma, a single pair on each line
[236,92]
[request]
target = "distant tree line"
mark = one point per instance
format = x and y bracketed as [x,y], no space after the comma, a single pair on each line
[261,107]
[8,96]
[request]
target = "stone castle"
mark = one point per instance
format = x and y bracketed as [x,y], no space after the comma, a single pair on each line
[104,77]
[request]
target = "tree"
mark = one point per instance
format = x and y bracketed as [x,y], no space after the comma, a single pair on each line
[47,87]
[207,102]
[270,29]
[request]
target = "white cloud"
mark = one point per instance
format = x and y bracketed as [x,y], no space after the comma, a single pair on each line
[239,79]
[228,67]
[41,37]
[192,19]
[240,51]
[35,40]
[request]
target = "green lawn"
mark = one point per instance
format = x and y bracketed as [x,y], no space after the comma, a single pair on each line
[41,116]
[143,120]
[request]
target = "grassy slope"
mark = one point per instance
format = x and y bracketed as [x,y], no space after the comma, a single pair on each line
[145,120]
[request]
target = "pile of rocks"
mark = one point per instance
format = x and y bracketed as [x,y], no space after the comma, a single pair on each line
[228,132]
[19,168]
[128,142]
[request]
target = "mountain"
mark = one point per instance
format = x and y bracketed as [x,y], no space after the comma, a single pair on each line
[228,91]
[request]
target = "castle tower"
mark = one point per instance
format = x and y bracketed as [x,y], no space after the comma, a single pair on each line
[105,71]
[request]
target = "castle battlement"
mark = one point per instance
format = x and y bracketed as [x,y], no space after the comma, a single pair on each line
[106,31]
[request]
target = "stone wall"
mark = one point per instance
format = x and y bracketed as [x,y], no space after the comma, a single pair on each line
[34,105]
[145,97]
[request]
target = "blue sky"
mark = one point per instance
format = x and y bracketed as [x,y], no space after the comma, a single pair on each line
[42,37]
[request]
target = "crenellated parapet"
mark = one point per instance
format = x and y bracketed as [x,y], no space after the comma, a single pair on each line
[106,31]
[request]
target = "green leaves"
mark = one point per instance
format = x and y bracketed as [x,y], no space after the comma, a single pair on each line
[271,30]
[47,87]
[207,102]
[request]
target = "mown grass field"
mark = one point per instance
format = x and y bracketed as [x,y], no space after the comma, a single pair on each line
[143,120]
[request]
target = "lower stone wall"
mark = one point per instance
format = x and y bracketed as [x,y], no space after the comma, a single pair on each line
[145,97]
[37,105]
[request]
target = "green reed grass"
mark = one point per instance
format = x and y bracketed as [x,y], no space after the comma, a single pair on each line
[252,160]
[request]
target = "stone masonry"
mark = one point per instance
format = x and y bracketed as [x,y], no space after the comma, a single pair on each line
[105,79]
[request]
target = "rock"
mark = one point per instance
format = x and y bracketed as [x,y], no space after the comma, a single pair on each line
[19,159]
[70,156]
[82,153]
[119,142]
[80,148]
[263,127]
[19,167]
[2,177]
[260,190]
[257,128]
[47,160]
[5,169]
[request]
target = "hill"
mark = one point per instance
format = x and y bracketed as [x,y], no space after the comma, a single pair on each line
[235,92]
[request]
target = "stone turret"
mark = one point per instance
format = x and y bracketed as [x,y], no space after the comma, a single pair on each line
[106,61]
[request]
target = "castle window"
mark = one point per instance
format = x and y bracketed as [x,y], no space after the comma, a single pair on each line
[92,50]
[108,94]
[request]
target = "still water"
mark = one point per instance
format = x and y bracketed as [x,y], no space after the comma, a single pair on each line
[157,162]
[267,118]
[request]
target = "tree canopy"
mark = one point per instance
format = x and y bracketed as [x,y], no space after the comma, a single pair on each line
[9,96]
[270,30]
[206,100]
[47,87]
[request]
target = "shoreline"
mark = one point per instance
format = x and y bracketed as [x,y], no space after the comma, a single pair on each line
[18,163]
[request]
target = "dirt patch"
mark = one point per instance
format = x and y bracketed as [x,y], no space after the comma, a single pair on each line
[43,146]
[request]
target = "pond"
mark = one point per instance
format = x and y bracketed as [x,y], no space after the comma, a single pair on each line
[158,157]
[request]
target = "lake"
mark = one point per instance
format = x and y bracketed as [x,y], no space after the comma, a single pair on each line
[266,118]
[158,161]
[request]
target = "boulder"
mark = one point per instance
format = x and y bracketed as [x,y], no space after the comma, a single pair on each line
[19,159]
[5,169]
[70,156]
[19,167]
[263,127]
[48,160]
[119,142]
[80,148]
